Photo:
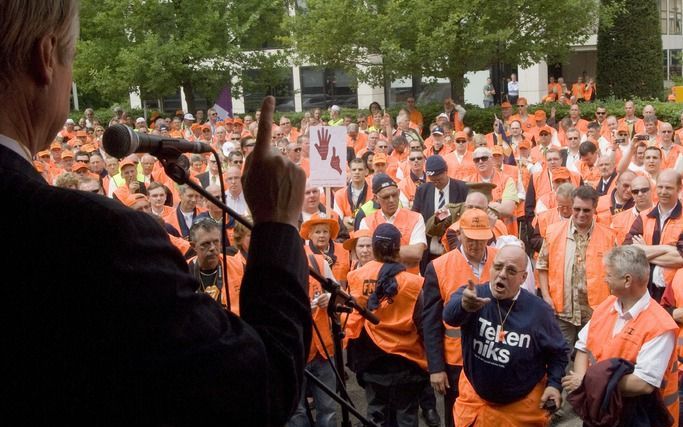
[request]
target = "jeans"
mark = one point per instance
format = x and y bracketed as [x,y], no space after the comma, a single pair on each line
[325,407]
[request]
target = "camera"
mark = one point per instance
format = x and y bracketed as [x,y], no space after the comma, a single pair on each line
[550,405]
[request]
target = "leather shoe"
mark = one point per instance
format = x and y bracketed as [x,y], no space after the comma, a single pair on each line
[431,417]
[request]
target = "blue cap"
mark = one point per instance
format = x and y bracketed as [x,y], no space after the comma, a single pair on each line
[437,130]
[436,165]
[381,181]
[388,233]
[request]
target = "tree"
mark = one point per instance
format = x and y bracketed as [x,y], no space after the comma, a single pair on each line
[156,46]
[630,51]
[392,39]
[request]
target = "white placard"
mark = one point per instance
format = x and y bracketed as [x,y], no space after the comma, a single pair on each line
[328,156]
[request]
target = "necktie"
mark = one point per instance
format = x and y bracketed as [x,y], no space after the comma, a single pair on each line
[442,200]
[214,179]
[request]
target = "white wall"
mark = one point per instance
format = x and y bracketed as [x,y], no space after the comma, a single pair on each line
[474,93]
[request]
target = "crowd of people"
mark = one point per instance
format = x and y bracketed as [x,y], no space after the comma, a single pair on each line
[492,260]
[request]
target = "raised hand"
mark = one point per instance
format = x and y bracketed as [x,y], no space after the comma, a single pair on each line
[334,161]
[324,138]
[470,301]
[273,185]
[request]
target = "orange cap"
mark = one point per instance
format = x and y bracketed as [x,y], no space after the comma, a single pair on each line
[55,146]
[350,244]
[238,121]
[474,223]
[206,126]
[540,115]
[195,126]
[67,154]
[228,121]
[521,101]
[78,166]
[88,148]
[220,123]
[623,128]
[525,144]
[460,135]
[505,104]
[44,153]
[497,150]
[546,129]
[561,173]
[319,218]
[126,162]
[379,158]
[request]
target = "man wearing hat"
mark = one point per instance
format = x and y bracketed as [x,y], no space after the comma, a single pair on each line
[459,161]
[470,261]
[528,122]
[359,246]
[409,223]
[68,132]
[434,196]
[438,143]
[548,201]
[388,358]
[561,212]
[513,353]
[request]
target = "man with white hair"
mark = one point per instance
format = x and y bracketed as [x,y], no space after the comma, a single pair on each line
[505,191]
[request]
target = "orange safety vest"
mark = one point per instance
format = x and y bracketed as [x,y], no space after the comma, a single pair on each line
[342,201]
[603,210]
[669,160]
[460,169]
[408,188]
[341,266]
[547,218]
[591,175]
[542,183]
[669,235]
[234,285]
[650,323]
[677,288]
[396,332]
[621,224]
[405,222]
[600,242]
[452,272]
[318,314]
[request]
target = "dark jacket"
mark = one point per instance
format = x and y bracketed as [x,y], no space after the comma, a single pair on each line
[101,325]
[424,197]
[599,403]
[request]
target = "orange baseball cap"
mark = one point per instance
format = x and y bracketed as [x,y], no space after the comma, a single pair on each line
[132,198]
[497,150]
[505,104]
[474,223]
[88,148]
[547,129]
[195,126]
[379,158]
[350,244]
[561,173]
[55,146]
[78,166]
[228,121]
[540,115]
[238,121]
[521,101]
[44,153]
[126,162]
[67,154]
[525,144]
[623,128]
[460,135]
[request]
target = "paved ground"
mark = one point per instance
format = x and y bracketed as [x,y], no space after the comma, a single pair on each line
[358,396]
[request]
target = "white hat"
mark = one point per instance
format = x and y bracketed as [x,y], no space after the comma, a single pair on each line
[189,117]
[227,147]
[140,120]
[70,122]
[335,108]
[444,115]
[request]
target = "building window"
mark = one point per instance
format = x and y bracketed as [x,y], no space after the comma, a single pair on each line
[663,14]
[324,87]
[278,83]
[399,91]
[665,65]
[675,17]
[675,60]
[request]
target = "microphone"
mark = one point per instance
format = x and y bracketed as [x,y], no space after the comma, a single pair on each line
[120,141]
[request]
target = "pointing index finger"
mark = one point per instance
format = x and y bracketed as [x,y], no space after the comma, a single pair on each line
[265,128]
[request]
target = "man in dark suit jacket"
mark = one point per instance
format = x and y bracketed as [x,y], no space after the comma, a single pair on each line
[207,178]
[426,201]
[102,326]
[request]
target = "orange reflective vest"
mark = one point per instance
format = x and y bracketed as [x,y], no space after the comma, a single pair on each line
[452,272]
[318,314]
[396,332]
[542,183]
[621,224]
[677,288]
[600,242]
[650,323]
[341,200]
[405,222]
[341,266]
[668,236]
[458,169]
[669,160]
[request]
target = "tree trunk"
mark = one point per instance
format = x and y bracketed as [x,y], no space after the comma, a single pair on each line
[458,87]
[189,96]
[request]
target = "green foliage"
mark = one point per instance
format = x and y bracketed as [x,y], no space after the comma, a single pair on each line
[630,51]
[157,46]
[392,39]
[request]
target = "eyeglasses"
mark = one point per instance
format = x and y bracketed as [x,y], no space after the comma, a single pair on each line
[214,114]
[600,113]
[284,123]
[481,159]
[666,131]
[637,191]
[415,159]
[460,141]
[572,138]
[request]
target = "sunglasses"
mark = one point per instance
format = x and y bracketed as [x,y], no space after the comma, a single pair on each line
[460,141]
[600,113]
[481,159]
[415,159]
[237,162]
[636,191]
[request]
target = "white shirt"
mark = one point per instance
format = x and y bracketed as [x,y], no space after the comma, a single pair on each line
[573,161]
[237,204]
[513,88]
[445,194]
[13,145]
[418,235]
[653,356]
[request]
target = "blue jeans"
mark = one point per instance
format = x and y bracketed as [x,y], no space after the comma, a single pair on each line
[325,407]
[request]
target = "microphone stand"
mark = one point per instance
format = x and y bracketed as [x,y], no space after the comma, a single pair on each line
[340,301]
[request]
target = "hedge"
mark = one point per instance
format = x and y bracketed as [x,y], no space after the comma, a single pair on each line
[477,118]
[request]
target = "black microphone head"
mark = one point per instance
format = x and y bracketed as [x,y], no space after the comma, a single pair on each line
[119,141]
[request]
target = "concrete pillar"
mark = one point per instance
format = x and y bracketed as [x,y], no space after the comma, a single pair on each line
[533,82]
[296,86]
[368,94]
[183,100]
